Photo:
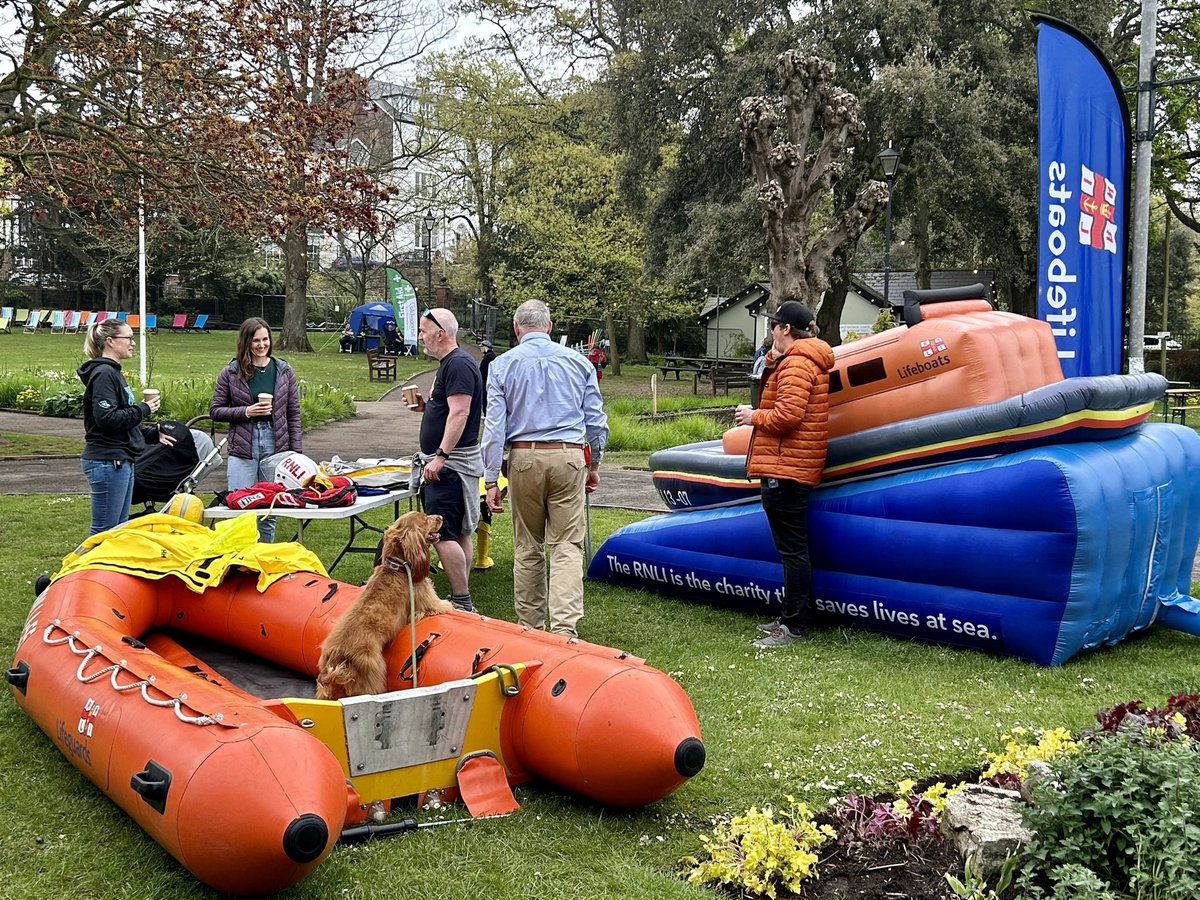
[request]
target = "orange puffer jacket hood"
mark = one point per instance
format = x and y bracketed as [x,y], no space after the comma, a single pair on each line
[791,425]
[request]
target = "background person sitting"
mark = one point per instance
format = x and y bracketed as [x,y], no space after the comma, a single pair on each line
[348,340]
[391,343]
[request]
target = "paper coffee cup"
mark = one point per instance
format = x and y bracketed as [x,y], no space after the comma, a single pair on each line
[149,393]
[265,398]
[409,393]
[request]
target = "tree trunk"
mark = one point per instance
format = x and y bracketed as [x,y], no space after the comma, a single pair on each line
[921,242]
[635,350]
[294,336]
[120,293]
[829,316]
[614,357]
[483,266]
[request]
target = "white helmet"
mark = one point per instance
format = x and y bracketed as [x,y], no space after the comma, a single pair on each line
[295,471]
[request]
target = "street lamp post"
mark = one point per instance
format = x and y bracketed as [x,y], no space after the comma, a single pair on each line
[889,161]
[428,222]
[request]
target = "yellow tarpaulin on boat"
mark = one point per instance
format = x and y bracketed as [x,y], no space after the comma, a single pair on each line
[156,545]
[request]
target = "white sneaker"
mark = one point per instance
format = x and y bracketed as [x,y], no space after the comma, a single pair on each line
[779,637]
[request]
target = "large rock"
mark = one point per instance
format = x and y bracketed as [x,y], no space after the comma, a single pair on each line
[985,822]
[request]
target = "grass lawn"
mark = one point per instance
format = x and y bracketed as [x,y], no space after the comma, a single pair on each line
[14,444]
[192,357]
[185,366]
[846,711]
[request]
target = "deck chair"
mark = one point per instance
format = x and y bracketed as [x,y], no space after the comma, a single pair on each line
[134,321]
[31,323]
[22,316]
[6,312]
[201,323]
[5,324]
[72,323]
[103,314]
[58,320]
[151,322]
[179,322]
[122,316]
[89,320]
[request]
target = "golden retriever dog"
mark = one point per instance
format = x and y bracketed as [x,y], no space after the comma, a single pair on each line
[352,660]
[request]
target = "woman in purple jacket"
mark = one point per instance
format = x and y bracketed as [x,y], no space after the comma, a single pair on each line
[261,431]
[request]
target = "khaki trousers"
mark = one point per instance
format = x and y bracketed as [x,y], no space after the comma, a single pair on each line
[546,489]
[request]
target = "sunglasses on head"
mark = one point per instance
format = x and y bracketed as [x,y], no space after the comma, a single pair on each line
[428,314]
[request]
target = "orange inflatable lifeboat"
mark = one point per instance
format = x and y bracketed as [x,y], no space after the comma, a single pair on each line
[238,788]
[892,394]
[955,351]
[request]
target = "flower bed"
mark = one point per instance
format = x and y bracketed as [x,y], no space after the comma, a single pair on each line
[1111,817]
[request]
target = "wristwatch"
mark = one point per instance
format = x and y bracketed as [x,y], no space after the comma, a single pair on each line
[442,453]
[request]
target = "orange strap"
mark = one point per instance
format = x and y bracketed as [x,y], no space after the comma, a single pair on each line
[484,786]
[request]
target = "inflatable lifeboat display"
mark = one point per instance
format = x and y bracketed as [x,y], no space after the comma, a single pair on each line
[241,790]
[893,395]
[712,474]
[1039,554]
[971,496]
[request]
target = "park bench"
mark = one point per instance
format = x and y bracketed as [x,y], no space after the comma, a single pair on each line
[380,366]
[723,375]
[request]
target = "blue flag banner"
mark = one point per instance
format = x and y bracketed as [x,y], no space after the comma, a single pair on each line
[1083,199]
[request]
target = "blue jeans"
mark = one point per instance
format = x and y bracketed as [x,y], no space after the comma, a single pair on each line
[111,483]
[242,473]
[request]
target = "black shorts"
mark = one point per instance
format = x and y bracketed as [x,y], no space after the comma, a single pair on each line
[444,498]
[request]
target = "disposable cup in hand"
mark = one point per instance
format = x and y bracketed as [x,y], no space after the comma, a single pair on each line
[409,393]
[266,398]
[150,394]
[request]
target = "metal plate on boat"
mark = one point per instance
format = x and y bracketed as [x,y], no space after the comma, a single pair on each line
[407,728]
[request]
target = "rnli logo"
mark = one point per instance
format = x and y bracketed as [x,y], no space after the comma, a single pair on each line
[249,500]
[87,718]
[1098,211]
[930,347]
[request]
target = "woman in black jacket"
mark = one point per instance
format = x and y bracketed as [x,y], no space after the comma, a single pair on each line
[113,431]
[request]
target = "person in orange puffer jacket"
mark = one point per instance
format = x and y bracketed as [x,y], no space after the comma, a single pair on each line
[787,452]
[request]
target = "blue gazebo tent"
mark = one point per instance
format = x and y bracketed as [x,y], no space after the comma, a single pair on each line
[369,320]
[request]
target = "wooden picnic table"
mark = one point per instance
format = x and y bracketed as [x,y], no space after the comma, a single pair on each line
[1176,403]
[723,374]
[679,364]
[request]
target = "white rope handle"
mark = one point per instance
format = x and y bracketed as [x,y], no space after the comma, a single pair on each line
[144,684]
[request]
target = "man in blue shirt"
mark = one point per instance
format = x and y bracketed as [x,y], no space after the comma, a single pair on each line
[544,404]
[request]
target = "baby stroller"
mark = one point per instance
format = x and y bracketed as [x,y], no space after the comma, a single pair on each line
[161,470]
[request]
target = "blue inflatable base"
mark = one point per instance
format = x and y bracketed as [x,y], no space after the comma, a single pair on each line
[1040,554]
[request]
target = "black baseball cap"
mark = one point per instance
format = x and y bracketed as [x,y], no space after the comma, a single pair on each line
[792,312]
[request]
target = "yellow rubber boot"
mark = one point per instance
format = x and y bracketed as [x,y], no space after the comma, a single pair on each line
[483,537]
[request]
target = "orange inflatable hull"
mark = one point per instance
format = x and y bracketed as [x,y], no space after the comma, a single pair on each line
[250,802]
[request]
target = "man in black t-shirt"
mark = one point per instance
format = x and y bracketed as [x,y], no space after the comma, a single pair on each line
[450,443]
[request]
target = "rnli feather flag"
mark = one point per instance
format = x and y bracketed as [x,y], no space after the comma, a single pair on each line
[403,297]
[1083,161]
